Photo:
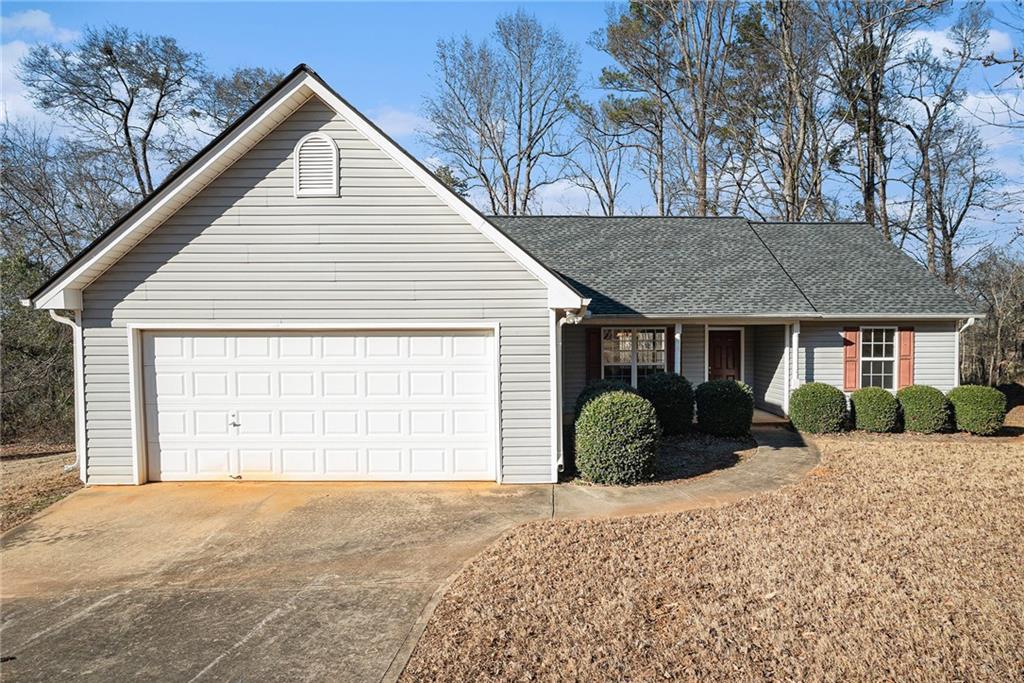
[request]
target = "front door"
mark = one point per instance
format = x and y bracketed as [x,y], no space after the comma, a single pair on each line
[724,354]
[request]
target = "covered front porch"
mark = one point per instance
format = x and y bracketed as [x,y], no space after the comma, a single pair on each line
[757,352]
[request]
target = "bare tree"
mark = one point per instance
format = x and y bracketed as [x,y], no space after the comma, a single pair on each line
[784,122]
[55,195]
[599,163]
[125,93]
[933,86]
[866,40]
[963,183]
[499,111]
[993,349]
[220,100]
[671,60]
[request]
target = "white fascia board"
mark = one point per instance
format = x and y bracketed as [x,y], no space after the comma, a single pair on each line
[890,316]
[560,295]
[66,299]
[46,299]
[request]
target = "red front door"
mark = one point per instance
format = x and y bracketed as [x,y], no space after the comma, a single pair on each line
[724,354]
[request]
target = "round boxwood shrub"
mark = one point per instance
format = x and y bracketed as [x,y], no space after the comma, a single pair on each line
[925,409]
[672,397]
[977,409]
[595,389]
[874,410]
[725,407]
[617,437]
[817,408]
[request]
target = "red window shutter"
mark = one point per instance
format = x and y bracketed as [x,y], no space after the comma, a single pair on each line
[670,349]
[851,358]
[906,371]
[593,354]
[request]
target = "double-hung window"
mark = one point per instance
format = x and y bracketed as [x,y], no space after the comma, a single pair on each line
[878,357]
[630,353]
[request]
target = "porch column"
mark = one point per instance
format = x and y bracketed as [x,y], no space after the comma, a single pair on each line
[787,374]
[678,360]
[795,365]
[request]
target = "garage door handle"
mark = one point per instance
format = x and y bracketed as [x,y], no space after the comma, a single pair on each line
[235,424]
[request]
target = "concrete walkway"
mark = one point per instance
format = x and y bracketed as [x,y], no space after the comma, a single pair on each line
[279,581]
[782,458]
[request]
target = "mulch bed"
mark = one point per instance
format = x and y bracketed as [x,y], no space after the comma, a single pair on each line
[898,558]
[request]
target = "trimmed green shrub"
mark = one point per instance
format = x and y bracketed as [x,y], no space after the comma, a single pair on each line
[595,389]
[977,409]
[725,407]
[925,409]
[617,437]
[874,409]
[817,408]
[1014,393]
[672,397]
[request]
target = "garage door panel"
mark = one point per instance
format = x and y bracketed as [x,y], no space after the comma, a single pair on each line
[320,406]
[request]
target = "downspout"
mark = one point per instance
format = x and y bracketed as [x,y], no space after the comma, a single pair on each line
[956,368]
[76,335]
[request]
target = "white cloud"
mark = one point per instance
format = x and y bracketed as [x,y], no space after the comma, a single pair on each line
[21,31]
[399,123]
[562,197]
[939,41]
[36,24]
[14,102]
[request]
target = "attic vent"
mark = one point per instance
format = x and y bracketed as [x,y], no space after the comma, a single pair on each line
[316,167]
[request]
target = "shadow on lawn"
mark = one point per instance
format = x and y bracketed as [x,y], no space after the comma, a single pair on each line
[691,455]
[682,457]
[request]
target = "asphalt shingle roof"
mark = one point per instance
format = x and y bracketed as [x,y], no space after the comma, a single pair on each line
[850,268]
[729,266]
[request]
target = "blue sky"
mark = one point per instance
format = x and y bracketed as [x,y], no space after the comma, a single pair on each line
[378,55]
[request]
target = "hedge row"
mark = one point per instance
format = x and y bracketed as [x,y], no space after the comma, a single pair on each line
[819,408]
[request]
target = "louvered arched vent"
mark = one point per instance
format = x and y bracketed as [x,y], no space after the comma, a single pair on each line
[316,166]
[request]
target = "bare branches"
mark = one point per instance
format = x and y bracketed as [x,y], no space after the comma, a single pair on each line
[499,112]
[125,93]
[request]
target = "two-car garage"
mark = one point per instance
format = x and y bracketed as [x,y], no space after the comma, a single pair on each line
[319,405]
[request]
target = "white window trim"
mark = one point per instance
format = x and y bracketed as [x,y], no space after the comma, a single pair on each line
[335,164]
[633,350]
[743,349]
[895,358]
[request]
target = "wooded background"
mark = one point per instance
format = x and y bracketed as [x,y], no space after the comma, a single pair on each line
[832,110]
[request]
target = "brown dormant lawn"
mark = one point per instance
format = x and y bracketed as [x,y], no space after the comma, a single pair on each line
[31,478]
[898,558]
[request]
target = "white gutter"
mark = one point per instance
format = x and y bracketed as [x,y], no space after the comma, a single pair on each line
[76,334]
[956,368]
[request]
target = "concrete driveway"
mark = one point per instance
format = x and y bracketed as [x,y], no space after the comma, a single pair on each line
[244,581]
[249,581]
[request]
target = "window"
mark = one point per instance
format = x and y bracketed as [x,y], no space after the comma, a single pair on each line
[878,357]
[316,166]
[629,353]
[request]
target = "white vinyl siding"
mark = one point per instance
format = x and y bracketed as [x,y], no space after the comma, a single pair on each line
[246,250]
[574,365]
[693,353]
[821,351]
[769,365]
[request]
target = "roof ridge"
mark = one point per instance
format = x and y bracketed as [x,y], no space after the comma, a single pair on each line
[784,269]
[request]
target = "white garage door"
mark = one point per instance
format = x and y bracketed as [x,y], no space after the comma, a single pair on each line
[316,406]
